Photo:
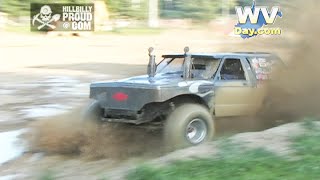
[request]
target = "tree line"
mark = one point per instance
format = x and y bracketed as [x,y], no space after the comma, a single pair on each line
[138,9]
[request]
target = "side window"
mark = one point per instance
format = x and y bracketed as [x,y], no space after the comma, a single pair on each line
[204,68]
[232,70]
[264,66]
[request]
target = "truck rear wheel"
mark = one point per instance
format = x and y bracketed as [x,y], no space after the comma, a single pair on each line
[187,125]
[93,112]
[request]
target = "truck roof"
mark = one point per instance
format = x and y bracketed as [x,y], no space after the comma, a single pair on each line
[221,55]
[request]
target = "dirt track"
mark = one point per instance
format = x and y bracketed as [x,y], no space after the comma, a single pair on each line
[39,87]
[62,66]
[62,140]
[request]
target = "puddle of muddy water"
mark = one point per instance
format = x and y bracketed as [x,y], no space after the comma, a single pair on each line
[45,110]
[11,146]
[9,177]
[58,94]
[81,90]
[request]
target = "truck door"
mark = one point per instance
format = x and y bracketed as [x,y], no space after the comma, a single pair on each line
[234,87]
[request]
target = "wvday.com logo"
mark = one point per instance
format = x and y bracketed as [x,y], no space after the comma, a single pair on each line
[62,17]
[252,21]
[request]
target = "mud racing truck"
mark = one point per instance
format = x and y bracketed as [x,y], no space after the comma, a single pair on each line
[185,93]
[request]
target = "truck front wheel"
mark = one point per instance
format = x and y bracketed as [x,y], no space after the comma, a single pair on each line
[187,125]
[93,112]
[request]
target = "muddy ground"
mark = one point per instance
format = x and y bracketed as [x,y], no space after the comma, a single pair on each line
[31,100]
[47,76]
[44,83]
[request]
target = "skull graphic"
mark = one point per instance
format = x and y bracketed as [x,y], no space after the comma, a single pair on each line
[45,13]
[45,18]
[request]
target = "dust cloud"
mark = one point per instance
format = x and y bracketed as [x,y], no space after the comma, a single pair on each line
[69,135]
[295,91]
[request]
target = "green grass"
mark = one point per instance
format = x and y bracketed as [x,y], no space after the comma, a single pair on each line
[134,31]
[236,164]
[18,29]
[46,175]
[123,31]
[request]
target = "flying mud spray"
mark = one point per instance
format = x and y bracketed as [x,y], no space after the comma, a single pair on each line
[69,135]
[294,92]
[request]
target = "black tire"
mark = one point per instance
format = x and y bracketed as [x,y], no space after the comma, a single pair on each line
[93,112]
[177,133]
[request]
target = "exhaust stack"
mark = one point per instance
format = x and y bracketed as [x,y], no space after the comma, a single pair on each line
[152,63]
[187,64]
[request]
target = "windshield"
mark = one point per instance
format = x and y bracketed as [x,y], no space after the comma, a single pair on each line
[170,65]
[201,67]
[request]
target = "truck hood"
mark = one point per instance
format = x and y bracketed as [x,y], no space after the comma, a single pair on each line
[142,81]
[133,93]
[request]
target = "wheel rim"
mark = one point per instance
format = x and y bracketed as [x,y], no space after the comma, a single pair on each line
[196,131]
